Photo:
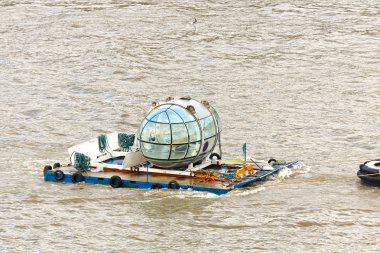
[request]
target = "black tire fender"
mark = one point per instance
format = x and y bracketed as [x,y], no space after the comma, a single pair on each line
[77,177]
[56,165]
[173,185]
[367,170]
[156,186]
[116,182]
[272,160]
[59,175]
[47,168]
[218,157]
[135,169]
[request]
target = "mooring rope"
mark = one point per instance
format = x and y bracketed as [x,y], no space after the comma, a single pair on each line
[103,143]
[314,180]
[82,162]
[126,141]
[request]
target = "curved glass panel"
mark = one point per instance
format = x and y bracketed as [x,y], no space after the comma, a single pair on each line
[178,151]
[216,115]
[161,118]
[155,151]
[208,127]
[147,133]
[155,112]
[141,128]
[183,113]
[193,149]
[174,117]
[179,134]
[194,131]
[163,133]
[156,133]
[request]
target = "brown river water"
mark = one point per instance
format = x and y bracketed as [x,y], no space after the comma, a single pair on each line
[292,79]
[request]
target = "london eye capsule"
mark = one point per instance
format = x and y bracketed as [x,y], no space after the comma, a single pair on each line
[179,132]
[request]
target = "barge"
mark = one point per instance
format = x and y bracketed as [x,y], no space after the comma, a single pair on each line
[177,146]
[146,180]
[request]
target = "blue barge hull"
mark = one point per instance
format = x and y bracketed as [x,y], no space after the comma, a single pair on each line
[143,181]
[126,183]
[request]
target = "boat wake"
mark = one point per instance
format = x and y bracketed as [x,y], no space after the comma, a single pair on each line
[248,191]
[279,178]
[297,169]
[181,194]
[283,174]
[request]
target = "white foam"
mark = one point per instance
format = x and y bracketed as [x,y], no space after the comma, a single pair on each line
[301,168]
[285,173]
[247,191]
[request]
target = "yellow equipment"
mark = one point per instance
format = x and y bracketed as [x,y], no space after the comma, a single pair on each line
[246,168]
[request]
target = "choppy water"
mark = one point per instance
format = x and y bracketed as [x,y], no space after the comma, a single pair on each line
[293,79]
